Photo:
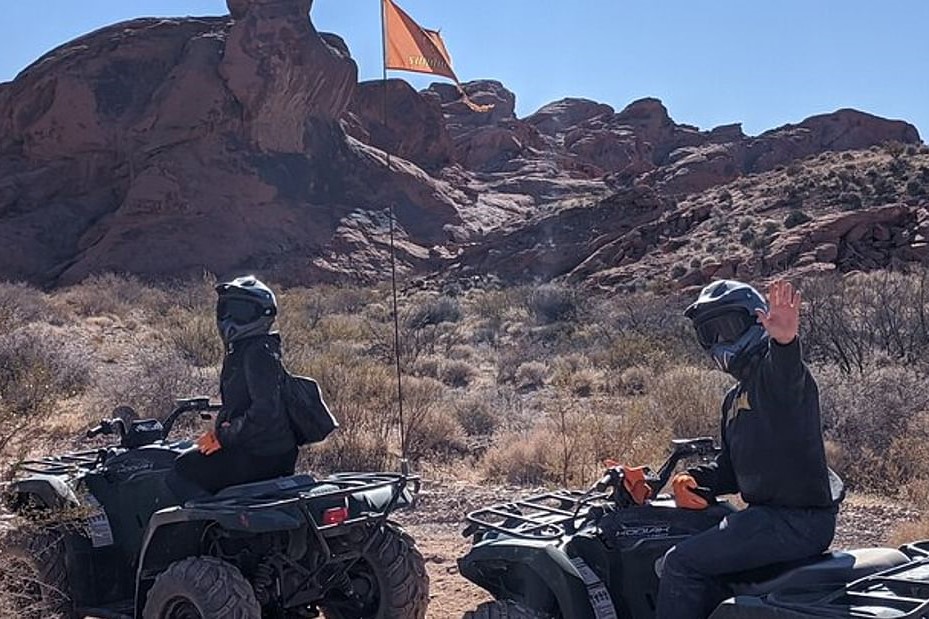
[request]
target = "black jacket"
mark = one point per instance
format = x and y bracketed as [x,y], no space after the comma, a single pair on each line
[772,443]
[250,385]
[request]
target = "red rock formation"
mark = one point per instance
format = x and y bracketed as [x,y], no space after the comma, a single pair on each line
[168,146]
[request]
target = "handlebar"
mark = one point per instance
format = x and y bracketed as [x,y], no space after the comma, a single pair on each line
[118,426]
[185,406]
[703,447]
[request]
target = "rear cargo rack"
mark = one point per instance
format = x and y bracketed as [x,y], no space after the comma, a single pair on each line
[900,592]
[547,516]
[62,465]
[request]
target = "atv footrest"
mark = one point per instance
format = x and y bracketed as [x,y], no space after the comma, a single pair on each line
[546,516]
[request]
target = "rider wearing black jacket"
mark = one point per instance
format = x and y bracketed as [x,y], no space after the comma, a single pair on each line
[252,439]
[772,451]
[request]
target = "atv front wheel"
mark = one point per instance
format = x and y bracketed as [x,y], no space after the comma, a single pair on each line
[201,588]
[389,582]
[33,575]
[503,609]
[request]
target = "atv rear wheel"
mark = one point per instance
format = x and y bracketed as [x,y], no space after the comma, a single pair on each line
[33,575]
[389,582]
[201,588]
[504,609]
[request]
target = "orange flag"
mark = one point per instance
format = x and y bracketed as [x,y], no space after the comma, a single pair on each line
[410,47]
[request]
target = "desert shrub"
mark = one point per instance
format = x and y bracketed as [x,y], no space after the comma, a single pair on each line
[361,393]
[428,365]
[21,304]
[796,218]
[461,352]
[550,303]
[149,380]
[477,414]
[848,321]
[38,367]
[868,415]
[687,401]
[850,201]
[115,294]
[636,380]
[431,427]
[433,311]
[457,373]
[633,349]
[194,335]
[531,375]
[520,459]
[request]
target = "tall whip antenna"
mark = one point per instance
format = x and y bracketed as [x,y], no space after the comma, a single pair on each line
[404,463]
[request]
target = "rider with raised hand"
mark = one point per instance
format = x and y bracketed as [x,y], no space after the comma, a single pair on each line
[772,451]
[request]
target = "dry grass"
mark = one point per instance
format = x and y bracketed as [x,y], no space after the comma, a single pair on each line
[529,384]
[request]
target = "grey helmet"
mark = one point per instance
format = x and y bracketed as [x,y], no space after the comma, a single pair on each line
[724,317]
[245,307]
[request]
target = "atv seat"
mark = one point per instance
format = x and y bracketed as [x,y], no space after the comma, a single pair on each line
[270,487]
[831,568]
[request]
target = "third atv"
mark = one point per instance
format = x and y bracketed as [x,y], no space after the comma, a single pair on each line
[598,555]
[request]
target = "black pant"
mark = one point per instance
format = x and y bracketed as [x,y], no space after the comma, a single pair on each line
[693,575]
[196,475]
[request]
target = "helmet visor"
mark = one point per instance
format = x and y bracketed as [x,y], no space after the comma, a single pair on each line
[726,327]
[238,311]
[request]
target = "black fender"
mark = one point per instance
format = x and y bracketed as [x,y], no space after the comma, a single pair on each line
[47,491]
[535,573]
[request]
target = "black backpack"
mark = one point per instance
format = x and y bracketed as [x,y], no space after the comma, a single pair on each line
[310,418]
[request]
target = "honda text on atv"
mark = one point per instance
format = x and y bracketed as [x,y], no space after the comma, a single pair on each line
[598,555]
[286,548]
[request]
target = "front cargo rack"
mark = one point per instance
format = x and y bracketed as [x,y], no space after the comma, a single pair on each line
[547,516]
[62,465]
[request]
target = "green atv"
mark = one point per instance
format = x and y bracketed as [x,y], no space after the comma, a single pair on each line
[598,555]
[107,540]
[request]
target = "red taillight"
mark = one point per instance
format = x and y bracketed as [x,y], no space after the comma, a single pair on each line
[335,515]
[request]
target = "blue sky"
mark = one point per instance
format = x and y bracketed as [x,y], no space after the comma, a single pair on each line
[762,63]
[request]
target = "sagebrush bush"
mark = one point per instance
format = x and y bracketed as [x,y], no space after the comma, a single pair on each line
[21,304]
[456,373]
[531,375]
[688,401]
[149,379]
[39,366]
[195,336]
[866,413]
[115,294]
[433,311]
[478,413]
[550,303]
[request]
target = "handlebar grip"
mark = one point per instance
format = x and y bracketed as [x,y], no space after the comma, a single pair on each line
[604,483]
[93,432]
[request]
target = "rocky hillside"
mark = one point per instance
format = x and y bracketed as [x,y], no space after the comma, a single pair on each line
[168,146]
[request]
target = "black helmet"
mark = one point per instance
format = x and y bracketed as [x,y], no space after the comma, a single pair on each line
[245,307]
[724,316]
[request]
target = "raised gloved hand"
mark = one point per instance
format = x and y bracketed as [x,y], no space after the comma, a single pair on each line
[688,494]
[208,444]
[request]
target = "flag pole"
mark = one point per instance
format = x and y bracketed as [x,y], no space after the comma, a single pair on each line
[404,463]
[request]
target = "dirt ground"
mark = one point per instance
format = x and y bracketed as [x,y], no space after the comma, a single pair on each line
[437,521]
